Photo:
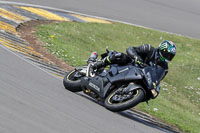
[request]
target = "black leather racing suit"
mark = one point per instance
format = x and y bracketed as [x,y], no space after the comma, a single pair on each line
[150,55]
[147,54]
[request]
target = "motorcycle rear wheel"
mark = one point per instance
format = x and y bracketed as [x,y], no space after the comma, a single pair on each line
[111,102]
[71,83]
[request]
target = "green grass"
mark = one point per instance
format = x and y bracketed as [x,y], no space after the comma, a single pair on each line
[179,100]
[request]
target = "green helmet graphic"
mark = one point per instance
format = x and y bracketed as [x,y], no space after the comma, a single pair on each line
[167,50]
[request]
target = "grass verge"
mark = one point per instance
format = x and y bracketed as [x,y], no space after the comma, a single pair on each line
[179,100]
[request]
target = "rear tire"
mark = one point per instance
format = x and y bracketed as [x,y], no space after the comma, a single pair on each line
[71,83]
[114,106]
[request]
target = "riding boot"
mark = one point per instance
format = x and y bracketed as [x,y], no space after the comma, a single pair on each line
[93,57]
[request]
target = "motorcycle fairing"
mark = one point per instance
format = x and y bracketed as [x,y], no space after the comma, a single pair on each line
[93,83]
[124,73]
[97,84]
[153,75]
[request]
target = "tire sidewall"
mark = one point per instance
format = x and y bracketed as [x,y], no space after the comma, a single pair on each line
[128,104]
[74,86]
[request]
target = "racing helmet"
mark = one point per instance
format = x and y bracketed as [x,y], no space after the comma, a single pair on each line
[167,50]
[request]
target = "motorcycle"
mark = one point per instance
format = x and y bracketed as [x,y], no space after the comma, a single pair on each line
[118,87]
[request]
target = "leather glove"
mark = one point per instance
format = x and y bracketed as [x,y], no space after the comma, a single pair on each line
[114,58]
[139,61]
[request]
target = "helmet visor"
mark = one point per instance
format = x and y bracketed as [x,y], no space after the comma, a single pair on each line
[167,56]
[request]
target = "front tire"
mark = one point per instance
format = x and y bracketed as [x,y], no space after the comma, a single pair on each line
[71,83]
[111,102]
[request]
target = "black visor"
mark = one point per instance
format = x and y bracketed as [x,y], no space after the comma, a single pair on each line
[168,56]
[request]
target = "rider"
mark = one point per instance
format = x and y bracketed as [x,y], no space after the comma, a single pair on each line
[144,54]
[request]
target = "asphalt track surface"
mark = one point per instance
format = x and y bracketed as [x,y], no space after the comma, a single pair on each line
[176,16]
[34,101]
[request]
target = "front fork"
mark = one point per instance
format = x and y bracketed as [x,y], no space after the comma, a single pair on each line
[90,71]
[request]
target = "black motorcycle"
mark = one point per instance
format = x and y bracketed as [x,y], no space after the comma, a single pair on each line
[118,87]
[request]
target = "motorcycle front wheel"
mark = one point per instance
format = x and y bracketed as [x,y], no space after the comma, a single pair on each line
[118,101]
[72,82]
